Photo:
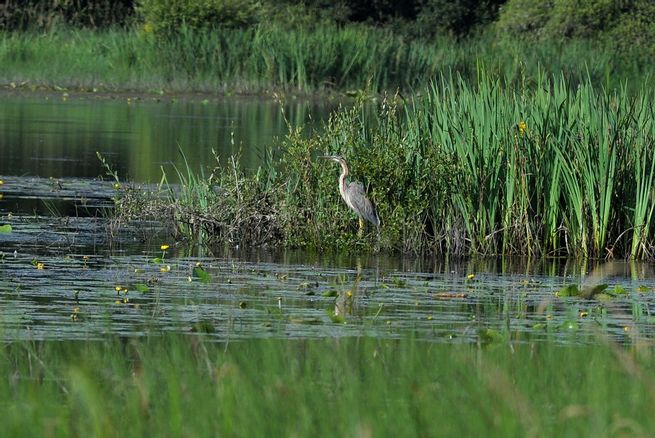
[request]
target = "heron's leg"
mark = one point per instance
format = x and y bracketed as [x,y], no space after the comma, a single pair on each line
[360,233]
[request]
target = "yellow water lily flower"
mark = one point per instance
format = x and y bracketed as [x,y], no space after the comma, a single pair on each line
[164,247]
[165,268]
[40,266]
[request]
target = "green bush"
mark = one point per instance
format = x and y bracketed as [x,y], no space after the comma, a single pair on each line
[524,17]
[168,17]
[561,19]
[24,15]
[583,18]
[458,17]
[635,31]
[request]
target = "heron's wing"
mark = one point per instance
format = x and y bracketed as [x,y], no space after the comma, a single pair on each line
[361,204]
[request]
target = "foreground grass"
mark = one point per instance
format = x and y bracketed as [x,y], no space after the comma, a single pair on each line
[272,58]
[176,385]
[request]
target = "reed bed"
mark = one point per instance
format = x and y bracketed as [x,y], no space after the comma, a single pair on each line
[460,169]
[269,57]
[547,170]
[182,385]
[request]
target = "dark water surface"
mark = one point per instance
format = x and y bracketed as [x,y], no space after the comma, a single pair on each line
[68,272]
[56,135]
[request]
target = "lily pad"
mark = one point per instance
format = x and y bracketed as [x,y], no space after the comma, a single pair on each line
[5,228]
[143,288]
[201,274]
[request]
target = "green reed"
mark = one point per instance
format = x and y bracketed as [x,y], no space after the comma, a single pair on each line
[180,385]
[270,57]
[546,169]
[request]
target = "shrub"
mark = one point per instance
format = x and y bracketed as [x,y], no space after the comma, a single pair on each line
[524,17]
[168,17]
[560,19]
[635,31]
[44,15]
[459,17]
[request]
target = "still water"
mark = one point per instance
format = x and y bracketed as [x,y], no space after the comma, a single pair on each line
[56,135]
[67,272]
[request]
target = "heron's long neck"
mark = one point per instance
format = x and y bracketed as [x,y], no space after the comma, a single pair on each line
[342,179]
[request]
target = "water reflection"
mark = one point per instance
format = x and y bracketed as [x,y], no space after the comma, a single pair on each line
[52,136]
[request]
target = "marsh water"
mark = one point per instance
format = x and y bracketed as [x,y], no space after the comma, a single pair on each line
[67,273]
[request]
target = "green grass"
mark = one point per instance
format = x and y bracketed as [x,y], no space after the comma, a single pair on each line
[272,58]
[176,385]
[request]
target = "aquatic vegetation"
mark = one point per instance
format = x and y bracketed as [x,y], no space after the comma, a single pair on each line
[354,59]
[186,385]
[459,169]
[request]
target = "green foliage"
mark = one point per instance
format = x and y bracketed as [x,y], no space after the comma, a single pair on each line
[22,15]
[525,18]
[408,180]
[186,385]
[634,33]
[582,19]
[623,26]
[167,17]
[460,169]
[264,58]
[447,17]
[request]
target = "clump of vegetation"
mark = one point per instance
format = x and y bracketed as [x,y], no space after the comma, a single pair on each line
[621,26]
[460,169]
[166,18]
[293,200]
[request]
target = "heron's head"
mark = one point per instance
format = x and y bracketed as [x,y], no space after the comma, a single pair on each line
[336,158]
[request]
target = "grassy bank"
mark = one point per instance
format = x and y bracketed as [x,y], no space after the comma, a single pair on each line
[460,169]
[176,385]
[269,58]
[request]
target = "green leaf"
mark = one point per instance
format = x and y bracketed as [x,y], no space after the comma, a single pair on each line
[143,288]
[619,290]
[158,260]
[201,274]
[5,228]
[571,290]
[490,336]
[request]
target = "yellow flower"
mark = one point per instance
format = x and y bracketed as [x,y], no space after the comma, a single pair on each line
[522,127]
[583,314]
[1,195]
[1,182]
[470,276]
[165,268]
[164,247]
[40,266]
